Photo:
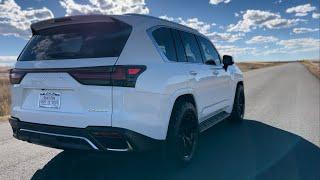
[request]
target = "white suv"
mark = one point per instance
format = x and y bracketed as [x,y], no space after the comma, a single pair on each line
[121,83]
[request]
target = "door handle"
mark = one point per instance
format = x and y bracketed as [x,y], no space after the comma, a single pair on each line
[193,73]
[216,73]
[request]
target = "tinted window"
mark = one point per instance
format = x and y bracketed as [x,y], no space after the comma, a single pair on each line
[181,55]
[209,51]
[191,47]
[165,42]
[91,40]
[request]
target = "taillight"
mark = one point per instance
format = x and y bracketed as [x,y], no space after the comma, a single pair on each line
[16,76]
[124,76]
[99,76]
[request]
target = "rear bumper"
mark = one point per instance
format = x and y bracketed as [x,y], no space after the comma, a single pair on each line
[90,138]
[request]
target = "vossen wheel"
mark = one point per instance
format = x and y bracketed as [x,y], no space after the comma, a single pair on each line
[183,135]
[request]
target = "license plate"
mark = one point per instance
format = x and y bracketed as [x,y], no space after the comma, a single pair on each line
[49,100]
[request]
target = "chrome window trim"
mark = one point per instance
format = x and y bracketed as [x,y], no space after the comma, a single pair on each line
[163,56]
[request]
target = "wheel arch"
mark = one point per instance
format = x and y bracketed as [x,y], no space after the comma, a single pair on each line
[234,88]
[239,83]
[186,97]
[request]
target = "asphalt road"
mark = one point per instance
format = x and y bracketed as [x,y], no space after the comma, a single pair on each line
[279,139]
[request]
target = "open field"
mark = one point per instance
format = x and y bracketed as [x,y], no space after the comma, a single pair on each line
[247,66]
[4,69]
[4,94]
[313,67]
[4,73]
[4,118]
[4,97]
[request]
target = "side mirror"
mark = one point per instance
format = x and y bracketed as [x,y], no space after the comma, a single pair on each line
[210,62]
[227,61]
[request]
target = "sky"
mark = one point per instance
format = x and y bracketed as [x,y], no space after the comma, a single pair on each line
[264,30]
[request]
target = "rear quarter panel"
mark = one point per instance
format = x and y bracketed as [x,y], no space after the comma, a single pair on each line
[146,108]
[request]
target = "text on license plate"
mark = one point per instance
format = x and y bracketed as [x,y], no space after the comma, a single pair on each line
[49,100]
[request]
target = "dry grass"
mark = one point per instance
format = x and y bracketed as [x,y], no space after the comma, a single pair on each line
[313,67]
[4,118]
[4,71]
[4,96]
[247,66]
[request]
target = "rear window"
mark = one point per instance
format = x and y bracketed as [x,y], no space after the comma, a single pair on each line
[90,40]
[165,42]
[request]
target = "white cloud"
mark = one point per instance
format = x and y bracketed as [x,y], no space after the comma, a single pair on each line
[7,60]
[216,2]
[291,46]
[261,39]
[300,44]
[105,7]
[251,19]
[304,30]
[194,23]
[284,47]
[301,10]
[15,21]
[215,36]
[234,50]
[316,15]
[278,2]
[206,29]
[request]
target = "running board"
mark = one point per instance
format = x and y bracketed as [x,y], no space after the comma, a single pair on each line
[206,124]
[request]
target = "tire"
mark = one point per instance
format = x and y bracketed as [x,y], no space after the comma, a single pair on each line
[238,109]
[182,137]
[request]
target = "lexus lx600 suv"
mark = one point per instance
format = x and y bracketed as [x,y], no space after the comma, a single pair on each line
[121,83]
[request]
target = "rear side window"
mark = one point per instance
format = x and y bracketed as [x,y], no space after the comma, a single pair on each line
[165,42]
[181,56]
[90,40]
[191,47]
[209,52]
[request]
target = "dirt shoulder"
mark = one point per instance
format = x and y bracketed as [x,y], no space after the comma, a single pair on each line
[313,67]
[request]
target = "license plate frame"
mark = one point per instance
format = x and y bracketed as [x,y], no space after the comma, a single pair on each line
[50,100]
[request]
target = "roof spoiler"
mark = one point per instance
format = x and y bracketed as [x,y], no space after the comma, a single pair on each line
[55,22]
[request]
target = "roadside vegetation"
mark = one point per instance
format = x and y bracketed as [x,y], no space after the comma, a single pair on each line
[4,97]
[4,94]
[313,67]
[247,66]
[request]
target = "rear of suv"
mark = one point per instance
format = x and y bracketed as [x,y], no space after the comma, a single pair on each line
[121,83]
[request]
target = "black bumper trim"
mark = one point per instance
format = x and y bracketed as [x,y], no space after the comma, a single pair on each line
[90,138]
[61,135]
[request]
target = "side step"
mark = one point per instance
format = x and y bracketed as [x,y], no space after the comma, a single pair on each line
[206,124]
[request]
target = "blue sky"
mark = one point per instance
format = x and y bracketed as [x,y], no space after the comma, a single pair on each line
[249,30]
